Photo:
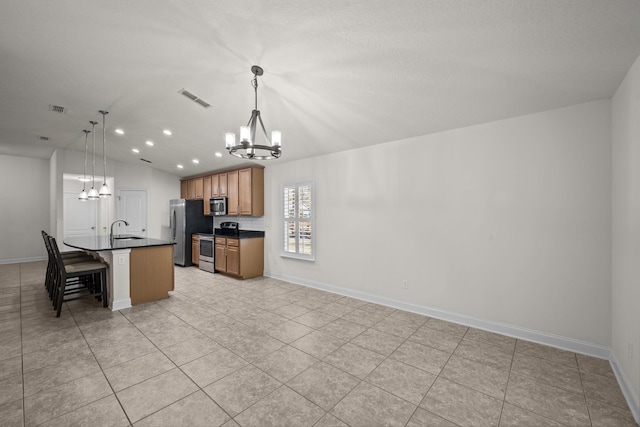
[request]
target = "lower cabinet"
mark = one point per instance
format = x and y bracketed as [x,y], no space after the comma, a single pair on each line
[151,273]
[195,249]
[242,258]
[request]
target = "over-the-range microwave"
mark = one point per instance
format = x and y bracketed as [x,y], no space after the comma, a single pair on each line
[218,206]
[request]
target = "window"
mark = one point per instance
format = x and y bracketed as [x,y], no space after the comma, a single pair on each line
[298,221]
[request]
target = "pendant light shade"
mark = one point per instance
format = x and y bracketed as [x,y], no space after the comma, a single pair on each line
[104,190]
[93,193]
[83,195]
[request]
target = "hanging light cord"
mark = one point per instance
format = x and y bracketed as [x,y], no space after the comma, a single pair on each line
[93,170]
[84,171]
[104,146]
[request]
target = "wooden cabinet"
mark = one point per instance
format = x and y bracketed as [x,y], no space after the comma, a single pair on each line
[245,192]
[219,185]
[242,258]
[184,192]
[207,194]
[233,202]
[195,249]
[192,189]
[244,189]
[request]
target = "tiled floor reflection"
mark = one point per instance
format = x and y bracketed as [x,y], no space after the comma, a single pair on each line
[269,353]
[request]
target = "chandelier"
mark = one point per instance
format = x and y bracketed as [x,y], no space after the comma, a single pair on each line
[247,148]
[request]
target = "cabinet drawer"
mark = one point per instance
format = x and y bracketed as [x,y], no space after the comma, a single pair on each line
[233,242]
[221,241]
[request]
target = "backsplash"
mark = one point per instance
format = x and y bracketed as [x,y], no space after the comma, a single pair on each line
[245,223]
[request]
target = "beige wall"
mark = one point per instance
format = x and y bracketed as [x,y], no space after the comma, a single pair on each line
[508,222]
[626,230]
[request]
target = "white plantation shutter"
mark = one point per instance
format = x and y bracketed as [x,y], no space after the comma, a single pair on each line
[298,218]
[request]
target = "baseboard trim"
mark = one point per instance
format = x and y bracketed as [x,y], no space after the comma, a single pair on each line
[625,385]
[552,340]
[120,304]
[19,260]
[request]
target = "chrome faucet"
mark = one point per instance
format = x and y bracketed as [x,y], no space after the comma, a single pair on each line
[114,223]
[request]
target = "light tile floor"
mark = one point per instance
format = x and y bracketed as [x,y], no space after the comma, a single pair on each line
[264,352]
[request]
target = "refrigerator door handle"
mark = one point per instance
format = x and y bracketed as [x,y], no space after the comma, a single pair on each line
[172,221]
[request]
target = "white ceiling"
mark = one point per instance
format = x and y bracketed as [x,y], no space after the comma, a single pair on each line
[338,74]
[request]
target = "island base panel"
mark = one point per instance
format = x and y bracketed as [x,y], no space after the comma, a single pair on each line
[151,273]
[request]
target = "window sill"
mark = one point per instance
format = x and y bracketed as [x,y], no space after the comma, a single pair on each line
[311,258]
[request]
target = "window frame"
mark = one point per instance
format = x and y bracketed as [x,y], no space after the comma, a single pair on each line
[297,220]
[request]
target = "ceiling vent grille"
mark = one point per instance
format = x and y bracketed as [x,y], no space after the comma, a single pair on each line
[57,109]
[44,138]
[194,98]
[145,160]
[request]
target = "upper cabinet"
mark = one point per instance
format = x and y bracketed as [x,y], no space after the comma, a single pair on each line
[192,189]
[243,188]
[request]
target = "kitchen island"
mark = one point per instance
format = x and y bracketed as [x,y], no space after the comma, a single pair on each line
[140,269]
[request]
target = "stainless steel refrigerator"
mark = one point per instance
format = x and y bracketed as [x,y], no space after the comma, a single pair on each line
[186,217]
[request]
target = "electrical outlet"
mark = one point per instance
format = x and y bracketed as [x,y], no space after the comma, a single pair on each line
[405,284]
[121,260]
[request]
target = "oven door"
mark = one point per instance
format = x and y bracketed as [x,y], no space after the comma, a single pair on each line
[207,260]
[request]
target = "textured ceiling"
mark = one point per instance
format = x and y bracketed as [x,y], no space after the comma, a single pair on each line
[338,74]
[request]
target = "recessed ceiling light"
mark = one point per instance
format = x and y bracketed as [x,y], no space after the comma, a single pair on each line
[83,179]
[150,143]
[196,161]
[135,150]
[218,154]
[119,131]
[180,166]
[167,132]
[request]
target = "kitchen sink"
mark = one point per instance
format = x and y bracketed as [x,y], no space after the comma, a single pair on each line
[127,237]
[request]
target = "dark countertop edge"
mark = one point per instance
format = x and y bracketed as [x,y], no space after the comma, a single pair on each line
[244,234]
[102,243]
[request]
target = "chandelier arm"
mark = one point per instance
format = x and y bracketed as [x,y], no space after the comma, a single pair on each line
[263,129]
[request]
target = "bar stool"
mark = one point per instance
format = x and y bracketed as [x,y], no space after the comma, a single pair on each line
[68,257]
[72,278]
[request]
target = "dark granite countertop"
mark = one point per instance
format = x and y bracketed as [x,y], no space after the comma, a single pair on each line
[103,243]
[243,234]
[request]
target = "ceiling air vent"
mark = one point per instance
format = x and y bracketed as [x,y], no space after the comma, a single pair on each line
[44,138]
[194,98]
[145,160]
[57,109]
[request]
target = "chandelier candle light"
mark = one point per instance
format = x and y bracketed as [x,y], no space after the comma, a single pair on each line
[247,147]
[104,190]
[93,193]
[84,196]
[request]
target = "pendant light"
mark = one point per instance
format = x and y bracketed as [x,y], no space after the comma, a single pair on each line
[104,190]
[84,196]
[93,193]
[248,148]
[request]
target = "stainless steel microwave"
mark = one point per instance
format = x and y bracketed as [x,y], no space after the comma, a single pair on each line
[218,206]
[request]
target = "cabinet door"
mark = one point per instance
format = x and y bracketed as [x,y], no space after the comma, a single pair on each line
[223,184]
[221,258]
[199,185]
[215,185]
[233,260]
[244,191]
[233,202]
[195,249]
[184,191]
[191,189]
[207,194]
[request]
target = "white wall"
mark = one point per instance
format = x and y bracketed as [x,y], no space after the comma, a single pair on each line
[626,230]
[24,208]
[507,222]
[161,187]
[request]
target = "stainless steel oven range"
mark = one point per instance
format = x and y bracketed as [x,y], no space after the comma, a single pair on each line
[207,251]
